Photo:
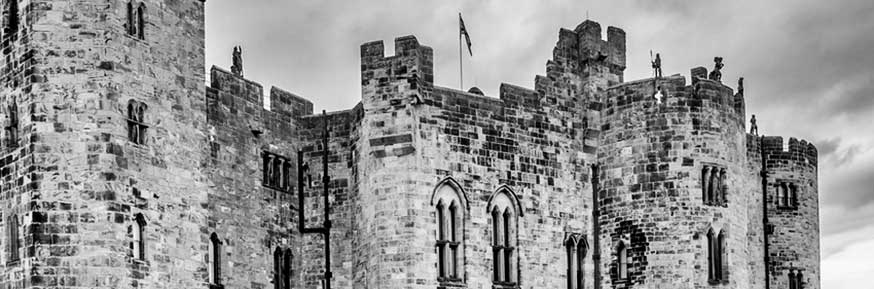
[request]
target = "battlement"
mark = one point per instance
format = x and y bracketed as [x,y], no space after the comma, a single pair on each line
[798,151]
[225,81]
[287,103]
[237,93]
[410,57]
[584,46]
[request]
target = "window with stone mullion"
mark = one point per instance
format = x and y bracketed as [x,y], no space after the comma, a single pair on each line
[581,255]
[498,247]
[508,247]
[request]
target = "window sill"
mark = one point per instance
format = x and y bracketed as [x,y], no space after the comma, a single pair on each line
[504,285]
[13,263]
[216,286]
[444,283]
[717,282]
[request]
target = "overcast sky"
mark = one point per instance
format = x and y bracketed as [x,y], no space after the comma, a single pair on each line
[807,67]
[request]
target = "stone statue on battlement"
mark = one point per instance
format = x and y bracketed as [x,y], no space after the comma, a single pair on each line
[237,66]
[657,65]
[740,86]
[716,74]
[754,128]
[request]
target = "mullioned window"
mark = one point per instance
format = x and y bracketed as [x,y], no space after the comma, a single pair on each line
[713,188]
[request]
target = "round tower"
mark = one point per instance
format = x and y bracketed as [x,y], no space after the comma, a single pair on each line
[674,186]
[792,205]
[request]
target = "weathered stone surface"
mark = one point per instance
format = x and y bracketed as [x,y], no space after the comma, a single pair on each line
[585,153]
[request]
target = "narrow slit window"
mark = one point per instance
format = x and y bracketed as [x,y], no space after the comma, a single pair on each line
[278,269]
[622,260]
[12,237]
[139,242]
[141,21]
[215,258]
[12,127]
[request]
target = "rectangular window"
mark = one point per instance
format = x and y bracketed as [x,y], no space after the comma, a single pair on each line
[276,171]
[136,127]
[12,237]
[12,126]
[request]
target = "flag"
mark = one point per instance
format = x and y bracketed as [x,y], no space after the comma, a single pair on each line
[463,31]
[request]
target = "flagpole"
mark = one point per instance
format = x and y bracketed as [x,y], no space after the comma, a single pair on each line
[460,55]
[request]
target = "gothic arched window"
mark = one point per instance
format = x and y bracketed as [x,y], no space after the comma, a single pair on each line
[450,211]
[215,260]
[715,256]
[139,240]
[504,208]
[130,25]
[141,21]
[277,268]
[622,260]
[577,248]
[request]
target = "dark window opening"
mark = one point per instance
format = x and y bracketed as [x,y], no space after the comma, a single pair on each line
[141,22]
[215,259]
[622,261]
[136,127]
[12,126]
[139,243]
[716,272]
[713,187]
[576,253]
[12,228]
[130,26]
[12,19]
[276,171]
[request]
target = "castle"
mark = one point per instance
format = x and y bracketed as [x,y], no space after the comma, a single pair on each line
[121,169]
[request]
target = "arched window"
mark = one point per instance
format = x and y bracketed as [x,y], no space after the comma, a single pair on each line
[278,269]
[451,204]
[131,23]
[577,248]
[792,280]
[799,280]
[12,238]
[721,194]
[215,260]
[139,241]
[141,21]
[711,256]
[705,184]
[622,261]
[793,195]
[286,269]
[504,208]
[715,256]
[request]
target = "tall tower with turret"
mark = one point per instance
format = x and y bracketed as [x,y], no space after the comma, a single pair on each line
[104,113]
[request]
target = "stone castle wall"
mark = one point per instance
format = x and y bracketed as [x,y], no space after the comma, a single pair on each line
[794,235]
[582,153]
[76,69]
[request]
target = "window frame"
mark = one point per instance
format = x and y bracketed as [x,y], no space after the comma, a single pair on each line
[451,210]
[505,211]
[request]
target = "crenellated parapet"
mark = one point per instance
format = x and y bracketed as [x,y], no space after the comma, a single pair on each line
[582,49]
[406,77]
[795,152]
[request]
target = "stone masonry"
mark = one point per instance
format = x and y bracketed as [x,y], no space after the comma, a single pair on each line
[208,180]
